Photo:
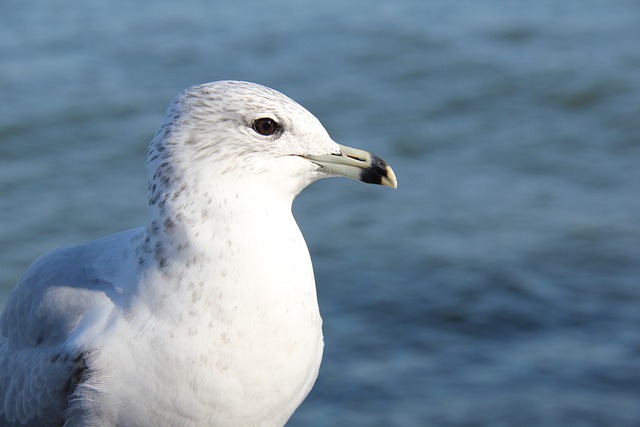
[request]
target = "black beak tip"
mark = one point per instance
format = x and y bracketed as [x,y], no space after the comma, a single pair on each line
[378,170]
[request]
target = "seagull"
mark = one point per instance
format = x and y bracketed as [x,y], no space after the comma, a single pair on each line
[205,316]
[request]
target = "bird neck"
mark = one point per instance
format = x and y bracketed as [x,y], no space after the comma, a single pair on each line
[228,240]
[188,221]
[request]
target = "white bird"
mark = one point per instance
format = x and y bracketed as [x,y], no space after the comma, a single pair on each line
[207,315]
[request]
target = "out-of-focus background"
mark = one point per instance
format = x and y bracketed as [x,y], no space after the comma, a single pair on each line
[498,286]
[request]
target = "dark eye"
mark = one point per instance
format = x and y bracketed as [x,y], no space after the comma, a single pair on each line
[266,126]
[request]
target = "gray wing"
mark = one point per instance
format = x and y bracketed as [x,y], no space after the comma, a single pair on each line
[35,385]
[39,365]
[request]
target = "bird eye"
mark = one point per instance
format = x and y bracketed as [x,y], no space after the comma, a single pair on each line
[266,126]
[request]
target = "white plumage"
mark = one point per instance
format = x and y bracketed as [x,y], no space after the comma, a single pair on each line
[207,316]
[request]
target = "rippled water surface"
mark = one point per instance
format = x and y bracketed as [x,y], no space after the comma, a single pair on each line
[498,286]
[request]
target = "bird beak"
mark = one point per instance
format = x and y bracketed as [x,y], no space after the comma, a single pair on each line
[356,164]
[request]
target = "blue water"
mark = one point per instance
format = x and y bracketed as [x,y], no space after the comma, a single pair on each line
[498,286]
